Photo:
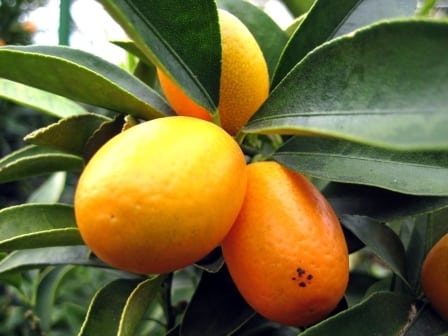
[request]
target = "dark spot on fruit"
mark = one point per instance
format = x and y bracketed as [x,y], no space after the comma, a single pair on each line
[309,277]
[302,284]
[300,271]
[293,278]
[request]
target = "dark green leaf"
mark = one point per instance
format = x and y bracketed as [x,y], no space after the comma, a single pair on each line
[37,225]
[418,173]
[381,240]
[383,95]
[36,160]
[369,11]
[48,256]
[112,310]
[181,37]
[318,25]
[40,100]
[383,313]
[335,18]
[226,310]
[81,76]
[381,204]
[358,285]
[104,133]
[427,322]
[270,37]
[70,135]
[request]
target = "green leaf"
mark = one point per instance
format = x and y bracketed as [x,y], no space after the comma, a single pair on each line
[318,25]
[382,96]
[39,100]
[36,160]
[335,18]
[70,134]
[180,37]
[46,294]
[369,11]
[270,37]
[380,204]
[381,240]
[136,305]
[21,260]
[226,309]
[49,191]
[383,313]
[117,308]
[37,225]
[83,77]
[417,173]
[427,322]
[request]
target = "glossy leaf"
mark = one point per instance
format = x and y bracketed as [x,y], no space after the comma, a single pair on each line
[325,14]
[36,258]
[37,225]
[83,77]
[117,308]
[370,11]
[380,204]
[270,37]
[381,240]
[383,313]
[226,309]
[389,96]
[335,18]
[181,37]
[417,173]
[36,160]
[39,100]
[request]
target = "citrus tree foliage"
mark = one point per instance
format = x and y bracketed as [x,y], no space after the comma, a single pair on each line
[358,103]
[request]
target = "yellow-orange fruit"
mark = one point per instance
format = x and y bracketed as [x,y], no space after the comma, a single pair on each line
[286,252]
[434,277]
[161,195]
[244,83]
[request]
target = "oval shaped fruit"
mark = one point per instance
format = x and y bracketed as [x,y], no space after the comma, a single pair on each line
[286,252]
[244,83]
[161,195]
[434,277]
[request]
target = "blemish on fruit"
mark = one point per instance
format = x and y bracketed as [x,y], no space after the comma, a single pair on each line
[302,284]
[309,277]
[300,271]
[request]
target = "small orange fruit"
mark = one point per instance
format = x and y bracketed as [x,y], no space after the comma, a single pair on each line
[161,195]
[434,277]
[286,252]
[244,83]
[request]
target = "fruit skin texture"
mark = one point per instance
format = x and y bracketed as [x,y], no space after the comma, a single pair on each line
[286,251]
[160,195]
[434,277]
[244,83]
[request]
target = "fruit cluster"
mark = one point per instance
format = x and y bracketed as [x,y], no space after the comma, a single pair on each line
[163,194]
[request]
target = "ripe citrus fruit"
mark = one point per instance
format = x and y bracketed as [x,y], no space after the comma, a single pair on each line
[161,195]
[435,277]
[286,252]
[244,83]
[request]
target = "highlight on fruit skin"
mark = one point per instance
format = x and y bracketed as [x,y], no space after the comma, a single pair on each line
[434,277]
[244,83]
[286,252]
[161,195]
